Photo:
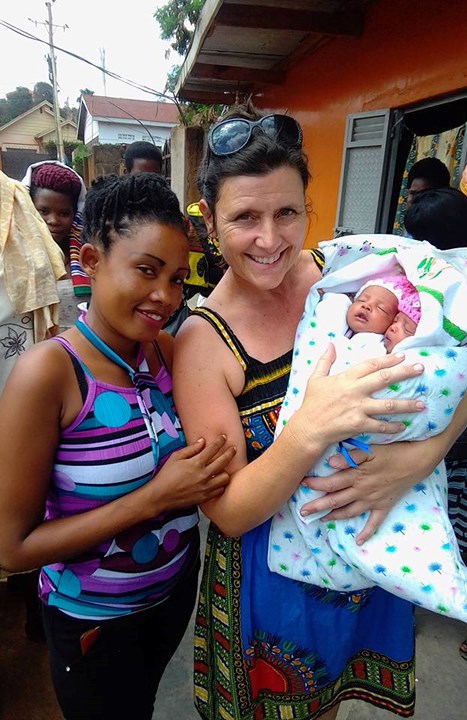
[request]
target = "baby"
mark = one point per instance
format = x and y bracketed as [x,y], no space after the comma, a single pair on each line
[403,326]
[414,554]
[383,312]
[374,307]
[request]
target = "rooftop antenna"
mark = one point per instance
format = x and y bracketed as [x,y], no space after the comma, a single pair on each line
[104,79]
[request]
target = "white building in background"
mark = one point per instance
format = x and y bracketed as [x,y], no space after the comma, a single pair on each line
[120,121]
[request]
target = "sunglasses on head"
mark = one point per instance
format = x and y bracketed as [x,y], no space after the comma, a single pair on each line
[230,136]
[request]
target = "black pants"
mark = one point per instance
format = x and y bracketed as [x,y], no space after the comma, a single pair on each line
[118,675]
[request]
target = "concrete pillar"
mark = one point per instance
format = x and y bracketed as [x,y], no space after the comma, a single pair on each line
[186,153]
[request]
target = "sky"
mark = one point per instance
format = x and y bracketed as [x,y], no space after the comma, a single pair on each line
[127,32]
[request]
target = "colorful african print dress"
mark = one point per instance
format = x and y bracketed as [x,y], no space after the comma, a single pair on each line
[270,648]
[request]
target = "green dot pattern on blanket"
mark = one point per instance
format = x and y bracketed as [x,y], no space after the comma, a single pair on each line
[414,554]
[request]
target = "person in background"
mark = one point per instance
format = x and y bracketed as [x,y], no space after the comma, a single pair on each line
[142,156]
[58,193]
[426,174]
[266,646]
[30,265]
[145,157]
[205,263]
[440,216]
[110,512]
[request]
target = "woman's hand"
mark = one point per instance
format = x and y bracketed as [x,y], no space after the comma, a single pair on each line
[375,485]
[341,406]
[193,475]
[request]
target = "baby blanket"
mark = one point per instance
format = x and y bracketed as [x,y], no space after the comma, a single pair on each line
[414,554]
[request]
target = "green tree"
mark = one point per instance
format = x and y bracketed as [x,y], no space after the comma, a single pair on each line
[70,147]
[19,101]
[172,79]
[177,19]
[22,99]
[86,91]
[4,112]
[69,113]
[42,91]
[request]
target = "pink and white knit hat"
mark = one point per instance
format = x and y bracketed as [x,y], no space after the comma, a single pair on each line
[410,302]
[405,292]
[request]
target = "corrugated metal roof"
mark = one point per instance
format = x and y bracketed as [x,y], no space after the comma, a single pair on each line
[123,108]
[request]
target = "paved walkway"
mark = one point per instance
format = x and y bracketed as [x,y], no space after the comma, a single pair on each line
[26,693]
[441,678]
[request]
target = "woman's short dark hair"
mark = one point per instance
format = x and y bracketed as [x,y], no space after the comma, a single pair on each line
[260,156]
[116,202]
[439,215]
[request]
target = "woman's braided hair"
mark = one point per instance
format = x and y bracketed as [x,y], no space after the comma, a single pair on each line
[117,202]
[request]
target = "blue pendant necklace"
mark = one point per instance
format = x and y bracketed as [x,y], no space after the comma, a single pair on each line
[135,377]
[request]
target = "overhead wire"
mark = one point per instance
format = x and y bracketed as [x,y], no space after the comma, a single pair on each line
[115,76]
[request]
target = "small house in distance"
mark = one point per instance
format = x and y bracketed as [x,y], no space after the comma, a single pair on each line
[24,139]
[108,120]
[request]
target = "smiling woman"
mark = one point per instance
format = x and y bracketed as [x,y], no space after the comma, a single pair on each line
[266,646]
[92,412]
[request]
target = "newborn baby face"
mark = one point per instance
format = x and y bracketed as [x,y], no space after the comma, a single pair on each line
[373,310]
[402,327]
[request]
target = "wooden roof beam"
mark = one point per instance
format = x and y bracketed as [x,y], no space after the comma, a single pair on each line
[226,97]
[236,74]
[343,22]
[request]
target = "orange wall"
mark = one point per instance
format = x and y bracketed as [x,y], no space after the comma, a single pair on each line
[409,51]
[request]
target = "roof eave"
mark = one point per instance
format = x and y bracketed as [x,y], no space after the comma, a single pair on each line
[240,47]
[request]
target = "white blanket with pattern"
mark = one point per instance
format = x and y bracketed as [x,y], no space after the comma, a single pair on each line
[414,554]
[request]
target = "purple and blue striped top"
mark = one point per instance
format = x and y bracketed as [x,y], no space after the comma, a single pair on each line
[103,455]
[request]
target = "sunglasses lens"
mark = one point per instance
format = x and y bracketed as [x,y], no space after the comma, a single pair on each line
[229,137]
[282,127]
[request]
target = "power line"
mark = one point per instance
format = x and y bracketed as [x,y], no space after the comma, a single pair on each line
[115,76]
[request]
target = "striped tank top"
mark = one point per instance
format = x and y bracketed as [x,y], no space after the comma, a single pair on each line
[103,455]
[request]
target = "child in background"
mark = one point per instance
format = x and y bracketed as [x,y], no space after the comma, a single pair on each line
[58,193]
[142,156]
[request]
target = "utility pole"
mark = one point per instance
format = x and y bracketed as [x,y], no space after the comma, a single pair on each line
[53,64]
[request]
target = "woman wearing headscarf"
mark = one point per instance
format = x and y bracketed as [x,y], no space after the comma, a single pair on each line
[58,193]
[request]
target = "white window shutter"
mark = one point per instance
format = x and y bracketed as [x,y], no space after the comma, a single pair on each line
[365,147]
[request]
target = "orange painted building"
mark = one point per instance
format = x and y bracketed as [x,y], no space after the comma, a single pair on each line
[408,59]
[408,53]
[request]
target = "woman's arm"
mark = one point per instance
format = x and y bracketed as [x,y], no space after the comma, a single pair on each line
[31,408]
[207,378]
[383,476]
